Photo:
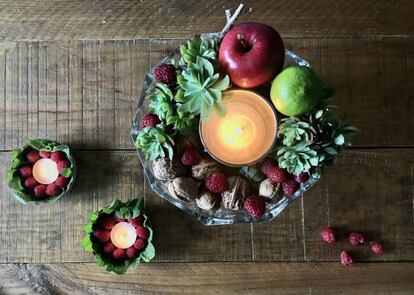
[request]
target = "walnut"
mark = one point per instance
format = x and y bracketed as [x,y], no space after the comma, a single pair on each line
[204,169]
[183,188]
[165,169]
[208,201]
[271,192]
[239,189]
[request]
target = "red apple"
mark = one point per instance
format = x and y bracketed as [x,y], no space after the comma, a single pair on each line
[252,54]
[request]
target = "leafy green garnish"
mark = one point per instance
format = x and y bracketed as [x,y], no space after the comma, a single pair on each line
[155,142]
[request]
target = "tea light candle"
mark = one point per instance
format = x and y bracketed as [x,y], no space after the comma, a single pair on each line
[245,134]
[123,235]
[45,171]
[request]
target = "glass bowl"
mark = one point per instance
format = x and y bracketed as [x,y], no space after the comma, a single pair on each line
[218,216]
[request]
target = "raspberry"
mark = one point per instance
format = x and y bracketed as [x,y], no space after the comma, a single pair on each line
[356,239]
[377,248]
[328,235]
[149,120]
[139,244]
[62,181]
[301,178]
[190,157]
[107,221]
[40,190]
[26,171]
[53,190]
[165,73]
[131,252]
[109,247]
[44,154]
[136,222]
[346,259]
[57,156]
[217,182]
[62,165]
[102,235]
[118,219]
[277,175]
[266,165]
[142,232]
[255,206]
[30,182]
[119,254]
[290,187]
[32,156]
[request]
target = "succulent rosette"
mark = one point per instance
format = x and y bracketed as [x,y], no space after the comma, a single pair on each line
[25,188]
[98,236]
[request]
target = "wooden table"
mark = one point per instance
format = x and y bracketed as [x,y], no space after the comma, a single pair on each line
[73,71]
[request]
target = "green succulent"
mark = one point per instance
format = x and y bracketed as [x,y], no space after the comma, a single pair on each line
[154,142]
[292,130]
[200,89]
[198,47]
[161,101]
[297,158]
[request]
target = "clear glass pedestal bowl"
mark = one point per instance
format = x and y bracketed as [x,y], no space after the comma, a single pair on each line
[218,216]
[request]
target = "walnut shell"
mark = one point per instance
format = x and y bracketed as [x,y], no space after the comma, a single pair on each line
[271,192]
[165,169]
[208,201]
[183,188]
[204,169]
[239,189]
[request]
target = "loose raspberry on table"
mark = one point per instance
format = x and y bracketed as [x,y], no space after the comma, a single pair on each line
[290,187]
[109,247]
[30,182]
[166,73]
[44,154]
[33,156]
[62,165]
[217,182]
[356,239]
[25,171]
[303,177]
[40,190]
[346,259]
[377,248]
[62,181]
[277,175]
[57,156]
[266,165]
[53,190]
[190,157]
[131,252]
[255,206]
[102,235]
[140,244]
[149,120]
[107,221]
[328,235]
[119,254]
[142,232]
[136,221]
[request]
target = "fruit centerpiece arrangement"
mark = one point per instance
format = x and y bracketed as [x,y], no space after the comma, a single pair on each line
[262,148]
[41,171]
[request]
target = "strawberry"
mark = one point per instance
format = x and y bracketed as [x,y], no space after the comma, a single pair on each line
[277,175]
[62,165]
[118,254]
[40,190]
[62,181]
[328,235]
[57,156]
[266,165]
[290,187]
[140,244]
[142,232]
[149,120]
[190,157]
[25,171]
[346,259]
[217,182]
[131,252]
[53,190]
[30,182]
[44,154]
[33,156]
[107,221]
[255,206]
[109,247]
[102,235]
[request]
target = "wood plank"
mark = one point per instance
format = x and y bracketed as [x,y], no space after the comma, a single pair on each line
[85,93]
[126,19]
[210,278]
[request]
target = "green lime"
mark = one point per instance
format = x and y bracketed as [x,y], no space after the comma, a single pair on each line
[296,90]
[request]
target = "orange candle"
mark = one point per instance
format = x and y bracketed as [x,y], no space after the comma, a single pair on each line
[245,134]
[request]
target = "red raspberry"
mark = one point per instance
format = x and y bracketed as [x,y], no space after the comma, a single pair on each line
[107,221]
[190,157]
[44,154]
[346,259]
[119,254]
[290,187]
[57,156]
[136,222]
[255,206]
[62,165]
[266,165]
[25,171]
[62,181]
[102,235]
[139,244]
[33,156]
[277,175]
[109,247]
[149,120]
[301,178]
[53,190]
[118,219]
[377,248]
[30,182]
[165,73]
[40,190]
[217,182]
[131,252]
[142,232]
[356,239]
[328,235]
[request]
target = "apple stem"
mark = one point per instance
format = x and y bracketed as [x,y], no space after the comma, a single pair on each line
[231,19]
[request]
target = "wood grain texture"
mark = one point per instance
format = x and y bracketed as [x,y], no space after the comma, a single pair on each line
[210,278]
[85,93]
[367,190]
[128,19]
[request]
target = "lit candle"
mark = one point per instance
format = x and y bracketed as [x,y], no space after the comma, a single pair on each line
[245,134]
[45,171]
[123,235]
